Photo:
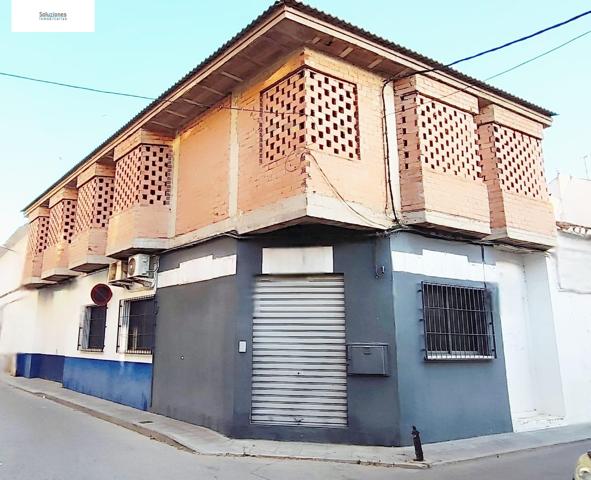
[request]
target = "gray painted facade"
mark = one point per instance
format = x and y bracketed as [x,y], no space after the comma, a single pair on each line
[453,399]
[200,377]
[193,376]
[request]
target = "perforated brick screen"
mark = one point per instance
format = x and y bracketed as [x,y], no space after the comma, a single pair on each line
[309,109]
[38,231]
[95,204]
[519,163]
[62,217]
[142,177]
[444,137]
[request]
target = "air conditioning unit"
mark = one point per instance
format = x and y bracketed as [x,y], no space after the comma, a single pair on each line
[138,266]
[118,273]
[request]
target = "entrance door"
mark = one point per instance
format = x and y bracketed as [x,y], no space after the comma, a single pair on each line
[299,358]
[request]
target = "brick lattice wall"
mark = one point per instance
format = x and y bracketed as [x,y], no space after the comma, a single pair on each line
[439,137]
[314,110]
[62,217]
[95,204]
[38,235]
[514,174]
[519,163]
[142,177]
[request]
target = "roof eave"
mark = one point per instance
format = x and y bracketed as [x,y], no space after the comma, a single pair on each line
[302,13]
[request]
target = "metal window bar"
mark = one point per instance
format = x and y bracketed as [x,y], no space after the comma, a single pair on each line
[136,327]
[96,328]
[83,329]
[457,322]
[91,333]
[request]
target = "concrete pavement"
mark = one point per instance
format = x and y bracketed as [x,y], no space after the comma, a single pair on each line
[43,440]
[206,442]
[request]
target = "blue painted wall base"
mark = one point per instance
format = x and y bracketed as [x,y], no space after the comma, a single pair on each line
[128,383]
[38,365]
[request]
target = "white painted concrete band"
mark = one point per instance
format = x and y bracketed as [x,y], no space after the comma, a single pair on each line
[297,260]
[198,270]
[441,264]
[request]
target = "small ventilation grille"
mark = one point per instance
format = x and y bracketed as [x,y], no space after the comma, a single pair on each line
[38,231]
[313,110]
[61,222]
[142,177]
[95,204]
[519,163]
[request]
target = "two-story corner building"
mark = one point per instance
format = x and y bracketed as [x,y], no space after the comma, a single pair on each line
[338,233]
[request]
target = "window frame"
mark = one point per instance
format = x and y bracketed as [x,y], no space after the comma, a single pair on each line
[123,326]
[473,326]
[84,329]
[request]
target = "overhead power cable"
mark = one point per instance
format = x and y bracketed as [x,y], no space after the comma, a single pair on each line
[558,47]
[504,45]
[133,95]
[503,72]
[144,97]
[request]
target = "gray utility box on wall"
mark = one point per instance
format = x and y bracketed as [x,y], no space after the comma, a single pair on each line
[368,359]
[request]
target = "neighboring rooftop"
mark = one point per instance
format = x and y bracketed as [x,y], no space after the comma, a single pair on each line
[570,197]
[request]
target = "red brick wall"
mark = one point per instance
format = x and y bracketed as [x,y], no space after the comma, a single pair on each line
[440,167]
[355,168]
[265,182]
[514,172]
[203,176]
[37,243]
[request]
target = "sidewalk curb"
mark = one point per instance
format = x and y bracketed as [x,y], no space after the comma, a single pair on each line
[437,463]
[237,448]
[178,443]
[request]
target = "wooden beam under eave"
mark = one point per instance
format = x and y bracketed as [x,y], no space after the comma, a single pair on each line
[251,60]
[176,114]
[165,125]
[194,103]
[211,90]
[374,64]
[346,52]
[231,76]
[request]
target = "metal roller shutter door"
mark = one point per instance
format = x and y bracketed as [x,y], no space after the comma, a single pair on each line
[299,360]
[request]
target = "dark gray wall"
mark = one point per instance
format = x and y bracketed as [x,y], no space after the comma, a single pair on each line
[373,401]
[194,355]
[211,386]
[204,321]
[445,399]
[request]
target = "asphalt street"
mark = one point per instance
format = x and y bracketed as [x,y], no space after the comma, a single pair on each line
[42,440]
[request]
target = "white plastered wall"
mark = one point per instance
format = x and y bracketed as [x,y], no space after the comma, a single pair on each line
[17,306]
[526,336]
[569,267]
[47,320]
[59,312]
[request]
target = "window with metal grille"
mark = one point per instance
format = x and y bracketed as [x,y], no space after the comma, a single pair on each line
[91,334]
[458,322]
[137,320]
